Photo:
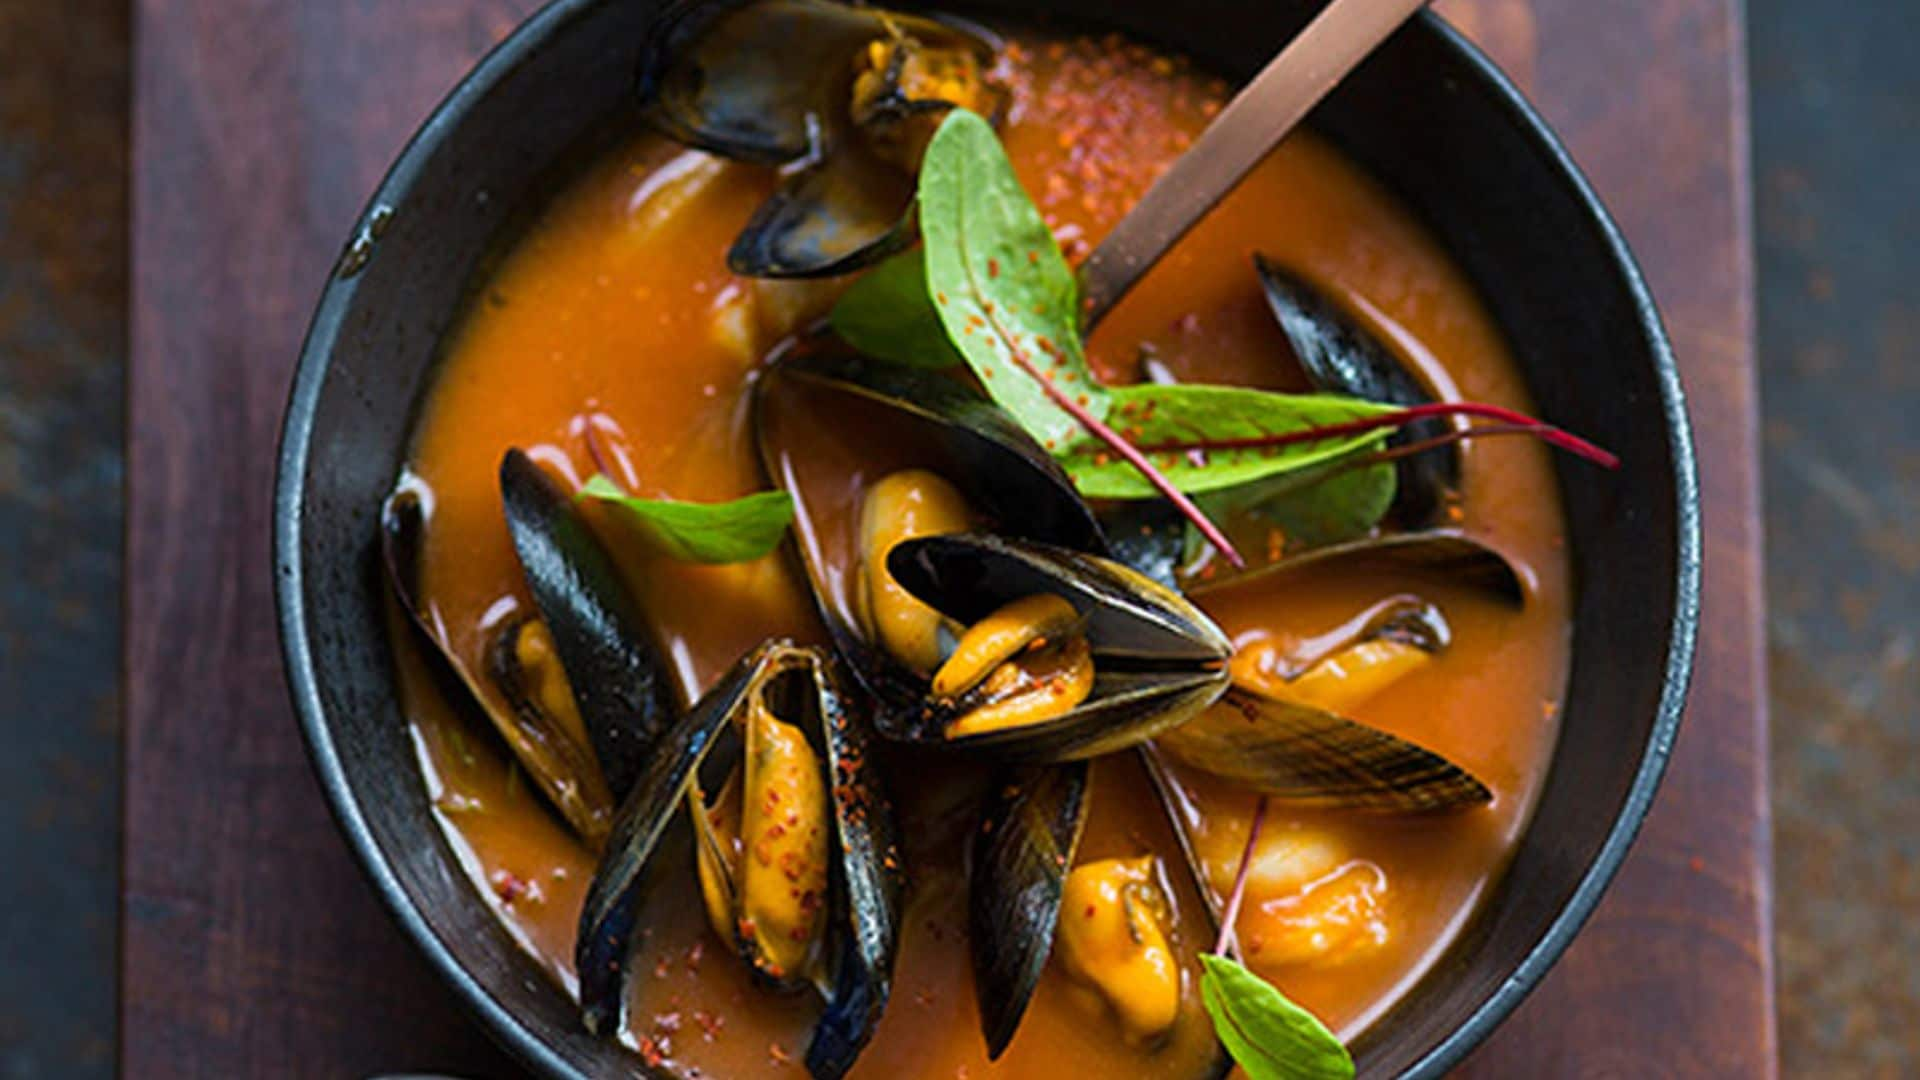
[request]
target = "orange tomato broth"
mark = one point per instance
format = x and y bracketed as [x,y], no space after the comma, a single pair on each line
[615,311]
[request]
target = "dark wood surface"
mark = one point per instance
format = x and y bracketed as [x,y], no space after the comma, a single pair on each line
[251,946]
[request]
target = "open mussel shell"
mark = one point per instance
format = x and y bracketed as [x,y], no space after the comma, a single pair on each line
[848,212]
[1446,555]
[765,80]
[1311,757]
[603,644]
[1021,856]
[863,925]
[771,82]
[1002,472]
[1340,356]
[561,764]
[1157,658]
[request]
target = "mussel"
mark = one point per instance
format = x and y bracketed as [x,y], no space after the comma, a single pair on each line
[801,873]
[1282,729]
[842,96]
[1109,922]
[596,629]
[1071,655]
[572,687]
[1341,356]
[1029,830]
[1117,941]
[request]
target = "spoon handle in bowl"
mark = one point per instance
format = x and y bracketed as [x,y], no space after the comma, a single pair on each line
[1253,123]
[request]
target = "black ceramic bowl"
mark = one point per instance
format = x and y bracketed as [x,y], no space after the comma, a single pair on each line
[1428,115]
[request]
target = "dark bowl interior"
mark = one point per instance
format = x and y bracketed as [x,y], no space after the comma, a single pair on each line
[1428,115]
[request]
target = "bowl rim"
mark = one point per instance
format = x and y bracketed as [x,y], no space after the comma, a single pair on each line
[296,441]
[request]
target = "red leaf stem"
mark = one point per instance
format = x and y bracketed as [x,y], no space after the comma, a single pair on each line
[1553,436]
[1232,914]
[1119,444]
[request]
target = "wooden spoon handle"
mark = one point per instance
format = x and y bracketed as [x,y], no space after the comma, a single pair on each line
[1253,123]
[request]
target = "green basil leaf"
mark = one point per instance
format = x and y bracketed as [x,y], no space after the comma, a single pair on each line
[1151,415]
[999,283]
[1271,1037]
[888,314]
[726,532]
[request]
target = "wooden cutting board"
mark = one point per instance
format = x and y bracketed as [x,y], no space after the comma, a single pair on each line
[252,947]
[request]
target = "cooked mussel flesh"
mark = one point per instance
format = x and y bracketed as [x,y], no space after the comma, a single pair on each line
[1339,670]
[795,850]
[902,506]
[1038,616]
[1024,664]
[845,96]
[521,662]
[1114,937]
[1341,356]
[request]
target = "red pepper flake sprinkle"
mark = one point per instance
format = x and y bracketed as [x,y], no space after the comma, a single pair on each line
[993,267]
[508,886]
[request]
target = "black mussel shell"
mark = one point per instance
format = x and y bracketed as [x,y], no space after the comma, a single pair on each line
[866,876]
[1340,356]
[1148,535]
[1157,658]
[564,771]
[846,213]
[1021,856]
[603,644]
[1445,554]
[1312,757]
[867,884]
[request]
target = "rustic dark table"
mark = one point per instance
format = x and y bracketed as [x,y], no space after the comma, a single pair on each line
[250,944]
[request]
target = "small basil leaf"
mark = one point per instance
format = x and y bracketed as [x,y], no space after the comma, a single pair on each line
[889,315]
[1271,1037]
[736,531]
[1151,415]
[999,283]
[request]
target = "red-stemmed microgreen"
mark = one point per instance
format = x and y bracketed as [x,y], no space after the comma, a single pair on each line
[1271,1037]
[1226,944]
[1513,422]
